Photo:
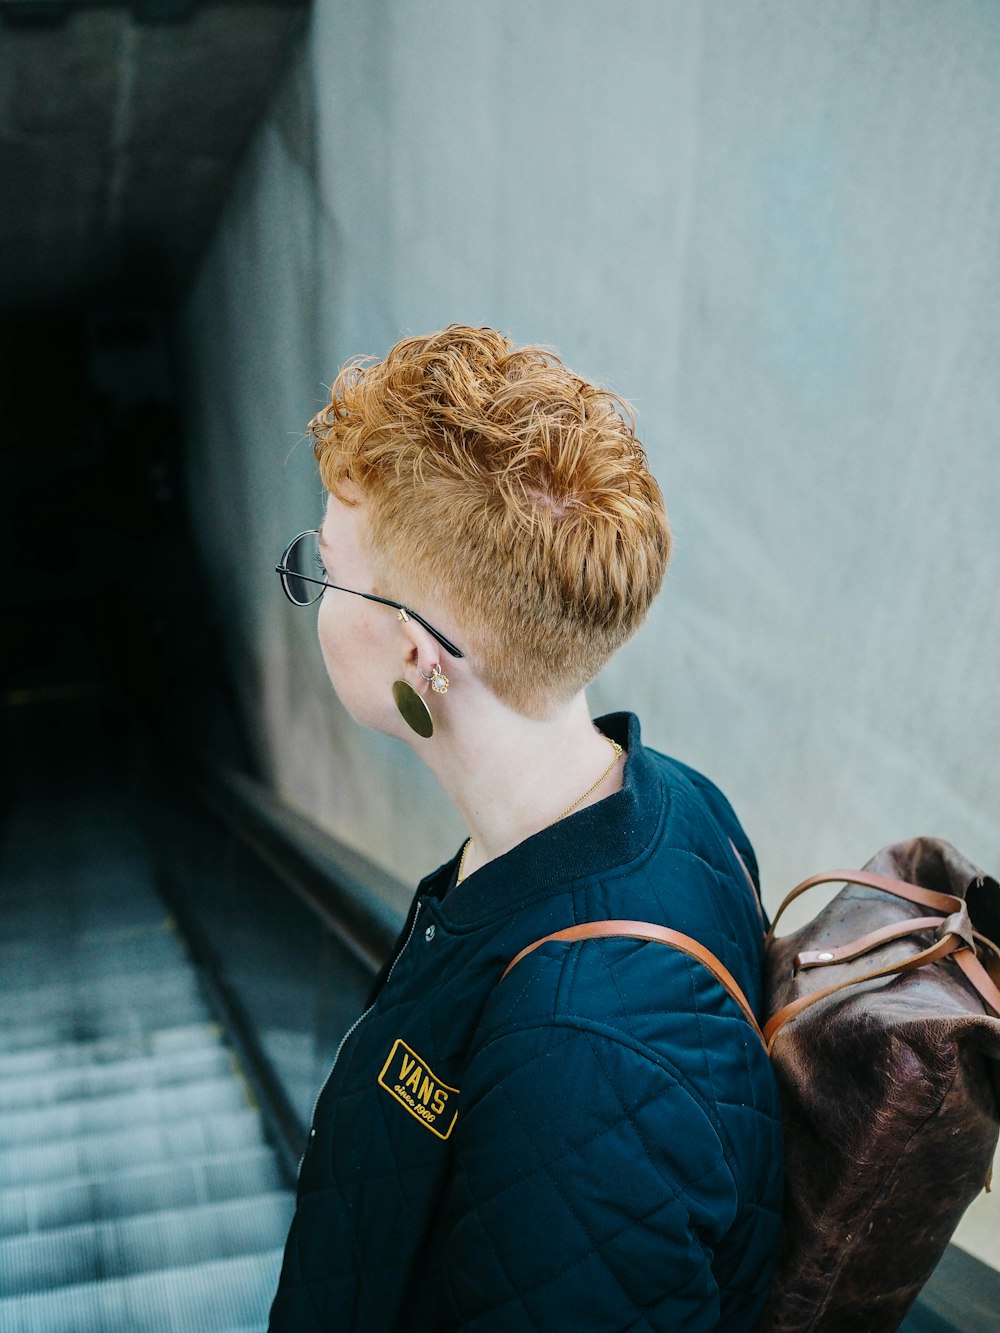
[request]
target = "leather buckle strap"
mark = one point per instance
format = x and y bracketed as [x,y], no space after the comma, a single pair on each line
[958,924]
[845,953]
[940,949]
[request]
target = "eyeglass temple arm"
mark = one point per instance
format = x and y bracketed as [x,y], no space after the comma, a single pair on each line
[405,611]
[445,643]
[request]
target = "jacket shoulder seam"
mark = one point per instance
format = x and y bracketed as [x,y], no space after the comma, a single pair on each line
[589,1027]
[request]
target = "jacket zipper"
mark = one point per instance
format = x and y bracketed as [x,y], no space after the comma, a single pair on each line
[357,1023]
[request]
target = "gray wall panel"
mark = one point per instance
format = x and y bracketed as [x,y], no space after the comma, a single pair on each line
[774,227]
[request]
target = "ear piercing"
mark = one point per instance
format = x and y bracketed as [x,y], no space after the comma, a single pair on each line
[438,680]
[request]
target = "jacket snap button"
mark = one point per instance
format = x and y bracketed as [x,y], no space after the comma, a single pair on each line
[429,934]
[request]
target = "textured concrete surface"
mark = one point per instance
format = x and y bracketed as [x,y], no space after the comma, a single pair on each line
[118,141]
[771,226]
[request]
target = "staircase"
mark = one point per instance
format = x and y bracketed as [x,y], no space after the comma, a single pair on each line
[137,1190]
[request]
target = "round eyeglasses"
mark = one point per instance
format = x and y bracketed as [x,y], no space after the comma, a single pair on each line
[304,580]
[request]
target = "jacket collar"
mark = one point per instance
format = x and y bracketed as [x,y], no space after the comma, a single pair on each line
[602,837]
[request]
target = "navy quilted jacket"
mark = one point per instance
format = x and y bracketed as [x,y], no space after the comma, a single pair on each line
[593,1143]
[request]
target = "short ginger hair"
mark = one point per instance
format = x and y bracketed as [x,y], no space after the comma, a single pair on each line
[505,487]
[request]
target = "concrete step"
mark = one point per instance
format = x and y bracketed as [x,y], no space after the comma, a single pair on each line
[123,1150]
[40,916]
[131,1191]
[131,1015]
[56,1087]
[163,1240]
[41,926]
[108,1050]
[98,1115]
[221,1296]
[134,987]
[32,964]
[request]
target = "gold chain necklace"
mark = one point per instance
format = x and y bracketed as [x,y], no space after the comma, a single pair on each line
[568,811]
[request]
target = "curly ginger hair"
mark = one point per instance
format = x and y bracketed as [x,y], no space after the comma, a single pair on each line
[502,485]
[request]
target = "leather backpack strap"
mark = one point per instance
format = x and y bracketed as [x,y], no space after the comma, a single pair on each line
[753,887]
[913,893]
[648,931]
[979,977]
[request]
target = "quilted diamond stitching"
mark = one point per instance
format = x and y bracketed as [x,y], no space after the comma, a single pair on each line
[556,1179]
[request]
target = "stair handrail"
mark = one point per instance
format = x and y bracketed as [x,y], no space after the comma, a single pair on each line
[349,894]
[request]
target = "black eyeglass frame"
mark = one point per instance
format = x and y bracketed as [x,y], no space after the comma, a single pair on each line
[404,612]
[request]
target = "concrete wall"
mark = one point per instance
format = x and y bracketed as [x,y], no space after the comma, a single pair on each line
[772,226]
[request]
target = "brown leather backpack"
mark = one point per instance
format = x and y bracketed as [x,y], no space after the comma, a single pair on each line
[883,1025]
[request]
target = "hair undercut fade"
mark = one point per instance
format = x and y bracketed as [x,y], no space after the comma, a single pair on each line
[503,486]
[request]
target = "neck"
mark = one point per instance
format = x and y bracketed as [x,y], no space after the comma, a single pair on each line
[510,776]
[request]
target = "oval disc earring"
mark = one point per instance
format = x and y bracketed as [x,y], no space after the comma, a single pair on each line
[412,708]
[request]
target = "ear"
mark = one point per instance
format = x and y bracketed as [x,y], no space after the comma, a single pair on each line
[420,655]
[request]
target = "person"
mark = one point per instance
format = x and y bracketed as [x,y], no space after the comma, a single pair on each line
[592,1142]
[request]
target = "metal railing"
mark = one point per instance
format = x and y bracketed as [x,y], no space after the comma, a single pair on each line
[289,928]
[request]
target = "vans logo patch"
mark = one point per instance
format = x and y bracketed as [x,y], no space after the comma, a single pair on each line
[407,1078]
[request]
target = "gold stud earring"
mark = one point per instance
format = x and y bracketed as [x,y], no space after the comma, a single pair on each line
[439,682]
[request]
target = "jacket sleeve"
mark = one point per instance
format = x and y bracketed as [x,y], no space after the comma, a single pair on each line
[589,1188]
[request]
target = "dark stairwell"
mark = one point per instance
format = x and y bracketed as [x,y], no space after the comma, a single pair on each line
[137,1188]
[140,1188]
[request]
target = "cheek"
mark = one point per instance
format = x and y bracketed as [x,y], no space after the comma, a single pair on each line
[352,654]
[349,644]
[326,629]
